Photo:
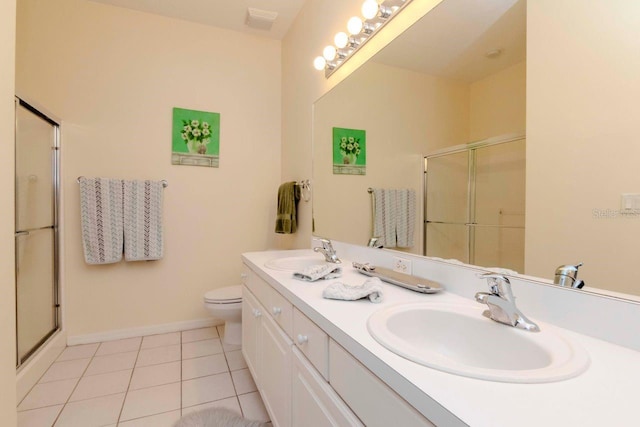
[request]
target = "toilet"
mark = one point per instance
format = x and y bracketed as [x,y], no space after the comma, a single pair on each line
[226,304]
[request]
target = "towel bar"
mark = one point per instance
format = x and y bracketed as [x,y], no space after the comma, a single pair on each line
[165,183]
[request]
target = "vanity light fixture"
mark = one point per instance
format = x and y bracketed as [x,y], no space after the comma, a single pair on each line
[376,13]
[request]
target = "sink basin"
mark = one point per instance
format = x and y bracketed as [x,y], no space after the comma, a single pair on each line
[458,339]
[295,263]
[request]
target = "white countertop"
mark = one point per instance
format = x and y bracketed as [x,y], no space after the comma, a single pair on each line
[606,394]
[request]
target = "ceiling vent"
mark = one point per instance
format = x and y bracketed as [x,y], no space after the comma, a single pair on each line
[260,19]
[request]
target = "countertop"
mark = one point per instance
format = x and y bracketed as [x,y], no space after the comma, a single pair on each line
[605,394]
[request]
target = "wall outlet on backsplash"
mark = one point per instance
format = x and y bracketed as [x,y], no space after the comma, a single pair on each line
[402,265]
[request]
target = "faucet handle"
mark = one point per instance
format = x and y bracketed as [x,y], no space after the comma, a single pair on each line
[499,284]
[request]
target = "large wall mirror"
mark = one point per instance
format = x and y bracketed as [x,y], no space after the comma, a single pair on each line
[457,79]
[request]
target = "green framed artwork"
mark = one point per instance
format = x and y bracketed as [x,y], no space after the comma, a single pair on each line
[349,151]
[195,138]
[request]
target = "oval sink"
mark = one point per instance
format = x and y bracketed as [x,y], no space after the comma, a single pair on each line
[295,263]
[458,339]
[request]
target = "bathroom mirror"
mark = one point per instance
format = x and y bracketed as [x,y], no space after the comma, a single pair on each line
[457,76]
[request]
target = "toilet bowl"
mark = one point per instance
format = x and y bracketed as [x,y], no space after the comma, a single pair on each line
[226,304]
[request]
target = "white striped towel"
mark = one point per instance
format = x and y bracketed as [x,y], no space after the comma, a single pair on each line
[143,236]
[384,216]
[405,217]
[101,219]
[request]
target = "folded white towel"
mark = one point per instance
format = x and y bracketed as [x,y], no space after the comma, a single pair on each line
[371,288]
[317,272]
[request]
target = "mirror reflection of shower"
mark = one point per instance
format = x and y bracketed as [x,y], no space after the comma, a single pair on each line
[474,203]
[36,232]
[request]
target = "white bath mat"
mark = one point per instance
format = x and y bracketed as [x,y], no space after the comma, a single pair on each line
[216,417]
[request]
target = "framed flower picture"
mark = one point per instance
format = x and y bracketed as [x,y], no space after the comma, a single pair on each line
[349,151]
[195,138]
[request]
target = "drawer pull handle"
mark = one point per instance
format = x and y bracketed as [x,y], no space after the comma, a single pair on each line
[243,275]
[302,339]
[276,311]
[256,313]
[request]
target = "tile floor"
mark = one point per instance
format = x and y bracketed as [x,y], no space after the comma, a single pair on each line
[146,381]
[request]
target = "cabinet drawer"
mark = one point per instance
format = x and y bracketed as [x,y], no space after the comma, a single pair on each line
[312,341]
[281,310]
[372,400]
[315,403]
[259,287]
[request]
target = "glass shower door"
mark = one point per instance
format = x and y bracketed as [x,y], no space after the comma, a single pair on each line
[447,206]
[36,229]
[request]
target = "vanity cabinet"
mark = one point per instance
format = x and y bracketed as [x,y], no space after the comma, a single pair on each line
[304,377]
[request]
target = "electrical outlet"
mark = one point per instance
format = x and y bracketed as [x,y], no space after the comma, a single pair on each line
[401,265]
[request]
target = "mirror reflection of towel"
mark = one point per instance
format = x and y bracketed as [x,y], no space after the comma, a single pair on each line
[286,215]
[394,215]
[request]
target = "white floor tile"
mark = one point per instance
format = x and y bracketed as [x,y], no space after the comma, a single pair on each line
[48,394]
[167,419]
[42,417]
[101,385]
[235,359]
[119,346]
[203,366]
[92,412]
[252,407]
[151,401]
[158,355]
[78,352]
[150,376]
[230,347]
[243,381]
[206,389]
[112,363]
[201,348]
[162,340]
[230,403]
[65,370]
[199,334]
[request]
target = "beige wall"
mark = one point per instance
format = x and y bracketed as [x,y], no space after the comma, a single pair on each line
[582,146]
[7,269]
[434,113]
[498,103]
[113,76]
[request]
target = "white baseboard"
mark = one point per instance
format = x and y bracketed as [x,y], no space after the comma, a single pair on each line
[142,331]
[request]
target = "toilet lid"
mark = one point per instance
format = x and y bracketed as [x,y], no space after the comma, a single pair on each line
[226,295]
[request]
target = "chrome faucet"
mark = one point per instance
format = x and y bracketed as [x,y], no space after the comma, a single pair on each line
[567,275]
[374,242]
[502,303]
[327,250]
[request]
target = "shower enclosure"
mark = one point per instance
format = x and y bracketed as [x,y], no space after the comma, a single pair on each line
[36,228]
[475,201]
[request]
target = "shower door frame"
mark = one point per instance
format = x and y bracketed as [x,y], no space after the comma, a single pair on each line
[56,194]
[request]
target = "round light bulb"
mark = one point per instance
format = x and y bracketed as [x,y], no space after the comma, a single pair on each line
[341,39]
[329,53]
[319,63]
[370,9]
[354,25]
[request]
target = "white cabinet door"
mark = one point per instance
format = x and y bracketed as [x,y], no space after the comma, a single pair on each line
[251,319]
[315,403]
[275,372]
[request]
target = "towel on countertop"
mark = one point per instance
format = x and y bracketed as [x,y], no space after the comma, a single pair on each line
[317,272]
[101,219]
[286,215]
[371,288]
[143,239]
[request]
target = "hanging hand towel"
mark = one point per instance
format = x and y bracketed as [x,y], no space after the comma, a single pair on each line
[143,220]
[317,272]
[371,288]
[101,219]
[286,218]
[405,217]
[384,216]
